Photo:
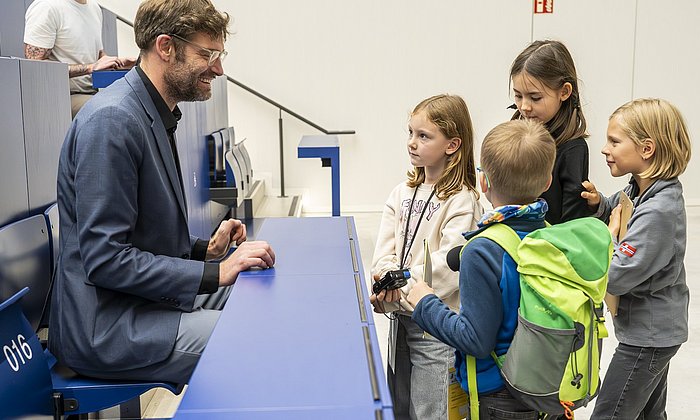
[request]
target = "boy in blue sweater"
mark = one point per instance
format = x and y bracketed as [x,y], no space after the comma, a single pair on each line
[517,158]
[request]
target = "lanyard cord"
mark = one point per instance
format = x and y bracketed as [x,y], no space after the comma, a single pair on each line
[404,254]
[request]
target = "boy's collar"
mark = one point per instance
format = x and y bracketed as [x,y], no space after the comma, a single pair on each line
[535,210]
[518,217]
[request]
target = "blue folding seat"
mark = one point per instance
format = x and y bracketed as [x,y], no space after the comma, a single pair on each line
[26,369]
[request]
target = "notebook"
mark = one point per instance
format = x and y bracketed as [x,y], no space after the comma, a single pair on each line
[427,264]
[626,212]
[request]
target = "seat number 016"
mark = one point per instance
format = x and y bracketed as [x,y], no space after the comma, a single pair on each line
[17,353]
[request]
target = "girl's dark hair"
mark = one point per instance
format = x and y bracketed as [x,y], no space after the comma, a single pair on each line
[550,62]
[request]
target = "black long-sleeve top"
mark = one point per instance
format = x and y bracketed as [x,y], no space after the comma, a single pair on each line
[564,195]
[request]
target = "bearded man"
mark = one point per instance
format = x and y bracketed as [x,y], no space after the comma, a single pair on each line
[135,295]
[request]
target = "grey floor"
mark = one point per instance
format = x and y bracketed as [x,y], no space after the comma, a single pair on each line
[684,376]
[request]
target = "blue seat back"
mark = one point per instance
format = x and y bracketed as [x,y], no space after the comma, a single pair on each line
[234,174]
[246,157]
[25,261]
[229,136]
[25,380]
[51,215]
[218,153]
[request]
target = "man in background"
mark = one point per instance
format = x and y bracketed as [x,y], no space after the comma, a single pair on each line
[70,31]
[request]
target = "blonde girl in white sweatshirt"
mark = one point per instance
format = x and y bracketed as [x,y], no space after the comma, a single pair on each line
[438,202]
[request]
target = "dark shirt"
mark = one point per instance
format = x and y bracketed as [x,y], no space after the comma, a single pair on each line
[210,278]
[564,195]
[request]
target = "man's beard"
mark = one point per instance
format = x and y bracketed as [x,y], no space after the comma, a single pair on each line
[182,83]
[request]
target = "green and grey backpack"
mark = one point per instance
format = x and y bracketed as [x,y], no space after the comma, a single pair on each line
[553,362]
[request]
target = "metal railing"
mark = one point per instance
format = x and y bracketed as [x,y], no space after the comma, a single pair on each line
[280,107]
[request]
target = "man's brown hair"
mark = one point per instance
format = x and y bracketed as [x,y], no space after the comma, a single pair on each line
[183,18]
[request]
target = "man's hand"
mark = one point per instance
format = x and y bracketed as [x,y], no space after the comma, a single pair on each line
[105,62]
[614,224]
[418,292]
[230,232]
[125,63]
[590,195]
[247,255]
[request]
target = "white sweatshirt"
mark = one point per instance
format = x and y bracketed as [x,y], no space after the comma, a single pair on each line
[442,224]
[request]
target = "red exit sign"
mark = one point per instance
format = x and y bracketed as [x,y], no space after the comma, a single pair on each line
[544,6]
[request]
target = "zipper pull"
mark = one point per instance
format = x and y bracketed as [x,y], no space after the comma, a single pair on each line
[577,381]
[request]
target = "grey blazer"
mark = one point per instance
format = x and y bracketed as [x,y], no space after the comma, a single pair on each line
[124,275]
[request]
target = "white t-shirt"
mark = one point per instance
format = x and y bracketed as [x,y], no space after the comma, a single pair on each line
[72,31]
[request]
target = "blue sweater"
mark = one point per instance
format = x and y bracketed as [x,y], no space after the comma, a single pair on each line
[489,292]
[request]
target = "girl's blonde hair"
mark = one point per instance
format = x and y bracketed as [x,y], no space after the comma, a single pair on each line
[518,157]
[551,63]
[659,120]
[451,115]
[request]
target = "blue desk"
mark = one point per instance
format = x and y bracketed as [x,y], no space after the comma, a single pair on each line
[296,341]
[328,149]
[104,78]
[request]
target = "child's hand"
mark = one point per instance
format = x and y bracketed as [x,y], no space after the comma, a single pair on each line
[393,295]
[614,224]
[590,195]
[418,292]
[376,304]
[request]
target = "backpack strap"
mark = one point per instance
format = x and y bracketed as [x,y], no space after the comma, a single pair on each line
[498,359]
[503,235]
[509,240]
[473,393]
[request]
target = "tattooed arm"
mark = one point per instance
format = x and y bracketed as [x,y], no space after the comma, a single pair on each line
[103,63]
[36,53]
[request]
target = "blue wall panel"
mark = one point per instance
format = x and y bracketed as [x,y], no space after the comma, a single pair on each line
[46,115]
[14,198]
[109,32]
[187,135]
[34,119]
[199,119]
[12,28]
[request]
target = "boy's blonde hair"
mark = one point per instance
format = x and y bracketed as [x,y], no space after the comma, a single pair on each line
[657,119]
[451,115]
[518,157]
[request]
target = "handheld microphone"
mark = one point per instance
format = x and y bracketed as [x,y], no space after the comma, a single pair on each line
[453,258]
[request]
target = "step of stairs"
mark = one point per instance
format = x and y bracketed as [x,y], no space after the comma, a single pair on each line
[274,206]
[262,202]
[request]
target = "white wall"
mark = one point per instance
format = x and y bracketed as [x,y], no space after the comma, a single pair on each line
[364,64]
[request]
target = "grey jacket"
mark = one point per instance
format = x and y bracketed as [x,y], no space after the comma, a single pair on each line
[124,275]
[647,269]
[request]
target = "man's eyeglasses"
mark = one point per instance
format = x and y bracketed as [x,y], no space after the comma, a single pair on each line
[213,54]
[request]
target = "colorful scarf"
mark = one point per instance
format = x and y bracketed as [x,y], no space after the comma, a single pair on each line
[532,211]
